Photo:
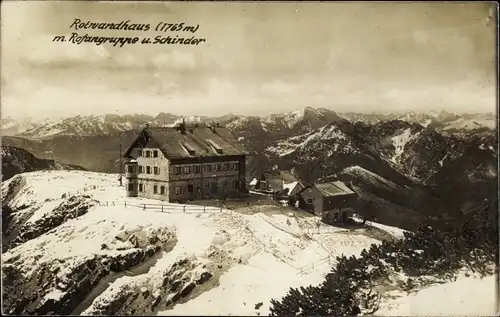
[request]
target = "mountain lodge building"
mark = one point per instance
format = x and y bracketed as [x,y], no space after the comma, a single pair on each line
[184,162]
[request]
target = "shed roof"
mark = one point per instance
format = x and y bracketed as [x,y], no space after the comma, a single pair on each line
[333,189]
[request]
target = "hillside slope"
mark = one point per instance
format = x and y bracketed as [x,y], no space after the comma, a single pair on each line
[17,160]
[83,251]
[81,247]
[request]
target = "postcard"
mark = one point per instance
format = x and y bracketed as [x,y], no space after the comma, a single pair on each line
[226,158]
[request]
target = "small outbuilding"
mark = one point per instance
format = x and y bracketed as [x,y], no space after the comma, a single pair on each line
[279,183]
[334,202]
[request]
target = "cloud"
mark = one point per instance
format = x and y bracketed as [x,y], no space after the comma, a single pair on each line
[42,51]
[174,60]
[278,87]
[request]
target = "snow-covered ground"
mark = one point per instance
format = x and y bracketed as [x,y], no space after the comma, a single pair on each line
[254,255]
[467,296]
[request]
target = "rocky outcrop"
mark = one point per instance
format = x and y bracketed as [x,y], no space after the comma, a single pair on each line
[58,286]
[170,284]
[16,160]
[18,228]
[11,222]
[74,207]
[175,284]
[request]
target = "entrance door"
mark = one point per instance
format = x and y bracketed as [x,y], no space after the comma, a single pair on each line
[214,188]
[190,191]
[344,216]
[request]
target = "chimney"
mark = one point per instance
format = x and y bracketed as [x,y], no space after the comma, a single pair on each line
[182,126]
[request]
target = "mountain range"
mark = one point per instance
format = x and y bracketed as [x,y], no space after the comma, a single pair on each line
[408,165]
[112,123]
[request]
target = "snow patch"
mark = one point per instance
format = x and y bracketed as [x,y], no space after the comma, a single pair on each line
[292,144]
[467,296]
[400,141]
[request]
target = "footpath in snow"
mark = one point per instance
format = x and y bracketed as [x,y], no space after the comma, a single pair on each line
[244,259]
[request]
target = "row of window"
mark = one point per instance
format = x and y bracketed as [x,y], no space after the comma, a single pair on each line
[189,189]
[147,153]
[156,189]
[196,169]
[182,189]
[187,169]
[155,170]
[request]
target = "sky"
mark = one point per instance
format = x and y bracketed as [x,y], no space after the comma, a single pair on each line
[258,58]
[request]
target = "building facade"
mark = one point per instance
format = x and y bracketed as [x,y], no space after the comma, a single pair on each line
[182,163]
[334,202]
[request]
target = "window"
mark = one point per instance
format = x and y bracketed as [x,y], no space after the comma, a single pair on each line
[227,166]
[177,170]
[162,190]
[155,153]
[141,188]
[139,152]
[218,167]
[207,184]
[309,201]
[155,189]
[130,187]
[177,190]
[235,184]
[187,169]
[148,153]
[198,189]
[197,169]
[130,169]
[148,169]
[156,170]
[208,168]
[236,166]
[141,169]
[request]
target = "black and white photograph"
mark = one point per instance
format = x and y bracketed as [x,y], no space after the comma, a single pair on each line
[249,158]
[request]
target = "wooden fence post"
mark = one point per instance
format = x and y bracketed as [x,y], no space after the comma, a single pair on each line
[106,203]
[184,208]
[125,203]
[203,208]
[144,207]
[220,209]
[161,208]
